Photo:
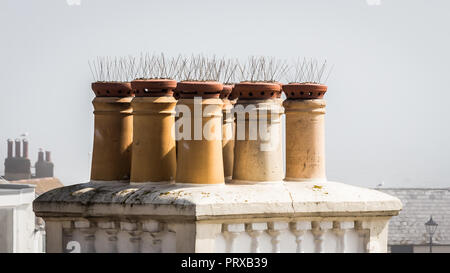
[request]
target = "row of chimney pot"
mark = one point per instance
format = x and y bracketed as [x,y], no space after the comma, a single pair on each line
[134,140]
[24,150]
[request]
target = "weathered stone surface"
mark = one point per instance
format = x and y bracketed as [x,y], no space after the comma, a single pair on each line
[282,199]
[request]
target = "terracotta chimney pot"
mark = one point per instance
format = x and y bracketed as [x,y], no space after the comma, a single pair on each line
[17,148]
[305,136]
[10,147]
[113,131]
[25,148]
[154,155]
[258,158]
[199,159]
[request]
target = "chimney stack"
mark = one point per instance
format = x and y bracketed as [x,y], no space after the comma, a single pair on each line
[199,158]
[44,168]
[154,153]
[10,148]
[25,148]
[258,153]
[17,167]
[17,148]
[305,136]
[113,131]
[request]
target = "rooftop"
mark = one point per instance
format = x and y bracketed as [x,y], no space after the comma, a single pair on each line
[42,184]
[418,205]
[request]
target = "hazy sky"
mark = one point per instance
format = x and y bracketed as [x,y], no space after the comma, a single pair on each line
[387,102]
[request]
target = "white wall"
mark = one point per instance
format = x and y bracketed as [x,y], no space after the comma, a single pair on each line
[17,220]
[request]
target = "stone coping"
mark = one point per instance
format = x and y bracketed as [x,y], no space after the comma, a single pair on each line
[205,202]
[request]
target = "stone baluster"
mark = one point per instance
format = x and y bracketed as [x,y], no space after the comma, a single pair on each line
[87,230]
[231,232]
[363,238]
[318,230]
[153,231]
[274,230]
[340,229]
[110,229]
[134,231]
[67,240]
[255,230]
[299,229]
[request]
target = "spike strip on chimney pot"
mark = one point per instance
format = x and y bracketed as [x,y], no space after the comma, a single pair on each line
[228,132]
[258,152]
[199,151]
[113,131]
[305,136]
[154,155]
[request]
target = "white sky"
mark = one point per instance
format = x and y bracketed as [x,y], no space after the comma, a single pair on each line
[387,116]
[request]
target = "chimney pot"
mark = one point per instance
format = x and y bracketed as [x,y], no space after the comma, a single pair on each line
[25,148]
[10,148]
[199,159]
[113,137]
[40,155]
[17,148]
[48,156]
[153,157]
[305,132]
[258,157]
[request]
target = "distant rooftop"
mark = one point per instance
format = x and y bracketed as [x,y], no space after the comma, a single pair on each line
[42,184]
[418,204]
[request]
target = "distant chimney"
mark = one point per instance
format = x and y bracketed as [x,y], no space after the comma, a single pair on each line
[48,156]
[17,167]
[17,148]
[44,168]
[40,155]
[25,148]
[10,148]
